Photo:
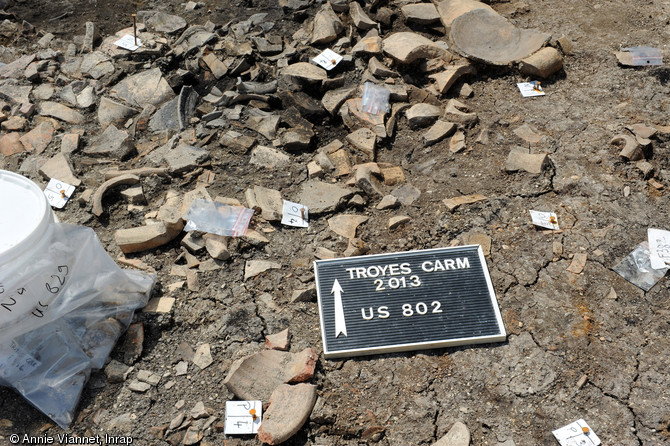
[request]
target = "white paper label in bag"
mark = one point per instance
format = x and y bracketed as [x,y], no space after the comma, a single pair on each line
[295,214]
[659,248]
[530,89]
[128,42]
[544,219]
[15,362]
[328,59]
[243,417]
[58,193]
[576,434]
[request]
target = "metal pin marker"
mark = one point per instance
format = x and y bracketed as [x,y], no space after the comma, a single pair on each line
[135,27]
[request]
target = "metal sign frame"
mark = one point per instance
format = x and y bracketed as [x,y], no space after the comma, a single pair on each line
[462,282]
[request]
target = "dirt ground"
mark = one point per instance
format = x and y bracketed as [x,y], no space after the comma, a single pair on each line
[561,325]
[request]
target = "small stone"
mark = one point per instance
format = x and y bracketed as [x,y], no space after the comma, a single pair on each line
[398,220]
[566,45]
[388,202]
[370,45]
[38,139]
[327,26]
[305,71]
[557,248]
[69,143]
[458,112]
[333,99]
[406,47]
[646,168]
[159,305]
[360,18]
[346,224]
[528,134]
[112,143]
[578,263]
[60,111]
[277,368]
[322,253]
[304,295]
[217,246]
[421,13]
[10,144]
[407,194]
[378,69]
[165,23]
[364,140]
[185,158]
[139,387]
[148,377]
[215,65]
[320,197]
[612,294]
[440,130]
[147,87]
[422,115]
[117,372]
[268,201]
[113,112]
[457,142]
[543,63]
[96,65]
[446,79]
[458,435]
[392,175]
[181,368]
[582,381]
[520,159]
[477,238]
[177,421]
[203,357]
[453,203]
[290,407]
[252,268]
[123,423]
[278,341]
[133,343]
[199,411]
[314,170]
[59,167]
[193,436]
[14,123]
[354,117]
[269,157]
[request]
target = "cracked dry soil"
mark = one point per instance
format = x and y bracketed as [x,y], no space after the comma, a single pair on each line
[561,325]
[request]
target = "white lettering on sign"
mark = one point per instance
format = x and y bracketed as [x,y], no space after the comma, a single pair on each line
[376,271]
[430,266]
[408,310]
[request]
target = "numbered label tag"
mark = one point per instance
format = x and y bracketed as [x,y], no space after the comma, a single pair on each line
[243,417]
[128,42]
[544,219]
[659,248]
[295,214]
[328,59]
[530,89]
[576,434]
[58,193]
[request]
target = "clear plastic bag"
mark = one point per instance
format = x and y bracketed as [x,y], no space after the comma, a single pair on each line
[636,268]
[375,99]
[81,304]
[218,218]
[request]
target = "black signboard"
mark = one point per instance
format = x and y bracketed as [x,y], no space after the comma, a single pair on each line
[406,301]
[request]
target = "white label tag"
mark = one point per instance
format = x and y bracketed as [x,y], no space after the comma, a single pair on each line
[576,434]
[14,362]
[295,214]
[243,417]
[659,247]
[128,42]
[530,89]
[328,59]
[58,193]
[544,219]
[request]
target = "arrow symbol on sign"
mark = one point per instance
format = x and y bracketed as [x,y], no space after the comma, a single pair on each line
[340,323]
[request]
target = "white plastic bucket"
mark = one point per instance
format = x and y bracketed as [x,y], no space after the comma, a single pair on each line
[25,227]
[25,216]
